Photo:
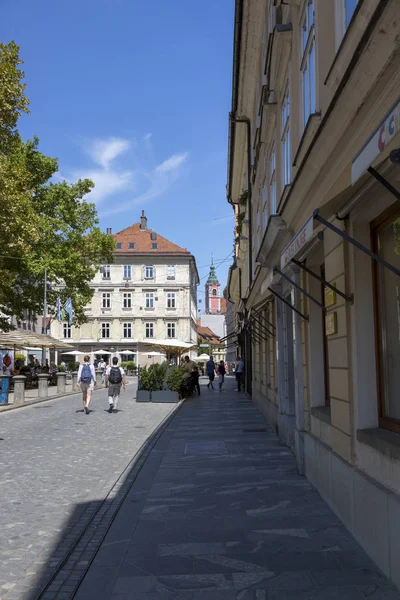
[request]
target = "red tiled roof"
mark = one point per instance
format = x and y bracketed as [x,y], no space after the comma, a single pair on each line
[207,335]
[143,242]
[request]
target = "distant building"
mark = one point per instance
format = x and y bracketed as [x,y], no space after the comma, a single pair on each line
[149,292]
[205,335]
[212,289]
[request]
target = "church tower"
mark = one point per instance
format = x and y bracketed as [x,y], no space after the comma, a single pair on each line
[212,288]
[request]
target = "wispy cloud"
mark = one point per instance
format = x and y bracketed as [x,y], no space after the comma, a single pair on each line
[104,151]
[172,163]
[112,179]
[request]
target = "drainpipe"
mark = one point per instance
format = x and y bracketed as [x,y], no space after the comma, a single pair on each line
[247,122]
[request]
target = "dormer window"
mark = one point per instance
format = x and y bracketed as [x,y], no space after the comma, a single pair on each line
[153,235]
[132,245]
[154,246]
[119,245]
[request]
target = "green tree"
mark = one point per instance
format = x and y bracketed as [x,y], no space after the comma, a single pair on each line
[44,224]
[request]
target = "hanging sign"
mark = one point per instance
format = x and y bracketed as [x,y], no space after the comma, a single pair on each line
[389,127]
[298,242]
[330,296]
[331,323]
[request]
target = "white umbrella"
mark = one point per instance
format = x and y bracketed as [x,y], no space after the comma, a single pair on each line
[201,358]
[153,353]
[127,352]
[75,353]
[101,352]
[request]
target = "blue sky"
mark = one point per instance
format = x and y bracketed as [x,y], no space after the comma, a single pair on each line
[135,95]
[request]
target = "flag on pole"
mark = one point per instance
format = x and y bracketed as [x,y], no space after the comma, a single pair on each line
[58,307]
[69,310]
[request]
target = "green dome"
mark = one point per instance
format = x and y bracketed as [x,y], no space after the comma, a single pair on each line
[212,278]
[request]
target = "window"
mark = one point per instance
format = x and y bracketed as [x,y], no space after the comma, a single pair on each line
[153,235]
[171,300]
[285,138]
[272,180]
[132,245]
[149,272]
[308,61]
[149,300]
[119,245]
[105,270]
[171,271]
[106,300]
[127,300]
[265,203]
[386,234]
[127,271]
[258,225]
[105,330]
[171,330]
[127,330]
[214,292]
[149,330]
[349,8]
[67,330]
[154,246]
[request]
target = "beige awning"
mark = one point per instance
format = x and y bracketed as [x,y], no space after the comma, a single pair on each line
[23,338]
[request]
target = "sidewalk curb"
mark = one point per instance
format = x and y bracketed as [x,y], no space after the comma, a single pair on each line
[8,407]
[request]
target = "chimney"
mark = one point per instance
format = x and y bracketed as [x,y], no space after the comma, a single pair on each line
[143,222]
[109,230]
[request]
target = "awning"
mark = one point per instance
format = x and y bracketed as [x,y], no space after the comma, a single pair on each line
[22,338]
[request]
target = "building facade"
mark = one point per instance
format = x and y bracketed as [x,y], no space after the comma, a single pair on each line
[313,177]
[149,292]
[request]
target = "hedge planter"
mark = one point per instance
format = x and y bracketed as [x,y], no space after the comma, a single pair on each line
[143,396]
[165,396]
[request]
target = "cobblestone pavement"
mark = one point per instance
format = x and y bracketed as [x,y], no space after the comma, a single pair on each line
[219,512]
[56,466]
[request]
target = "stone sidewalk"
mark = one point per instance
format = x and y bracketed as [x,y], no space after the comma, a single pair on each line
[219,512]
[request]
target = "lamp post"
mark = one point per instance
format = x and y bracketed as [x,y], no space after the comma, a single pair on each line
[44,316]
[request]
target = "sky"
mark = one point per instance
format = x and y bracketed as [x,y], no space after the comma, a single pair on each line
[135,95]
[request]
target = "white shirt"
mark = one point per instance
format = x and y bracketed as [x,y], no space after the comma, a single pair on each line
[102,365]
[93,372]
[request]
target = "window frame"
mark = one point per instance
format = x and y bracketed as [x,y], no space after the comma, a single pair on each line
[127,269]
[149,325]
[67,328]
[154,245]
[106,272]
[125,327]
[171,300]
[146,268]
[132,245]
[171,272]
[127,299]
[273,196]
[307,62]
[171,325]
[106,300]
[285,138]
[105,328]
[377,225]
[149,300]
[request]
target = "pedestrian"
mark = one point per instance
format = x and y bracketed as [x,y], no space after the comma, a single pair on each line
[239,371]
[195,377]
[96,363]
[221,374]
[115,377]
[86,379]
[102,367]
[210,367]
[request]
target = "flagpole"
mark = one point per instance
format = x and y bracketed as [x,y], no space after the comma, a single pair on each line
[44,317]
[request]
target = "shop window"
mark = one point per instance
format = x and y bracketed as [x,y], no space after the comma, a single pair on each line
[386,237]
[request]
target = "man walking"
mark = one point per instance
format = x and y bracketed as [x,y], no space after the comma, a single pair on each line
[221,374]
[86,379]
[239,373]
[102,366]
[210,366]
[115,377]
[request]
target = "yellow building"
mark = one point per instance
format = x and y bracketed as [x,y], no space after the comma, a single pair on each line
[313,176]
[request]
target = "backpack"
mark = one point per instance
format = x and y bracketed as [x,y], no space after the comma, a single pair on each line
[115,375]
[86,376]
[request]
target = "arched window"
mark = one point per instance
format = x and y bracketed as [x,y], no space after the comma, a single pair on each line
[214,292]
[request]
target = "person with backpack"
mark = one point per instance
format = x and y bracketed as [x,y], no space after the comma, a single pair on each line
[221,374]
[210,366]
[115,377]
[86,379]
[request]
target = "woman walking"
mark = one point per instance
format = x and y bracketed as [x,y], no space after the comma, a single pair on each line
[221,374]
[87,380]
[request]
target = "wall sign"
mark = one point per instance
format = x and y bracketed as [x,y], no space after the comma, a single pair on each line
[298,242]
[331,323]
[330,296]
[389,127]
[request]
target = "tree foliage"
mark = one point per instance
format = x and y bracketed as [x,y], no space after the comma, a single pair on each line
[45,224]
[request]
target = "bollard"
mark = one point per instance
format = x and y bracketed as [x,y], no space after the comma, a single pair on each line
[75,386]
[61,382]
[99,383]
[5,381]
[19,389]
[43,385]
